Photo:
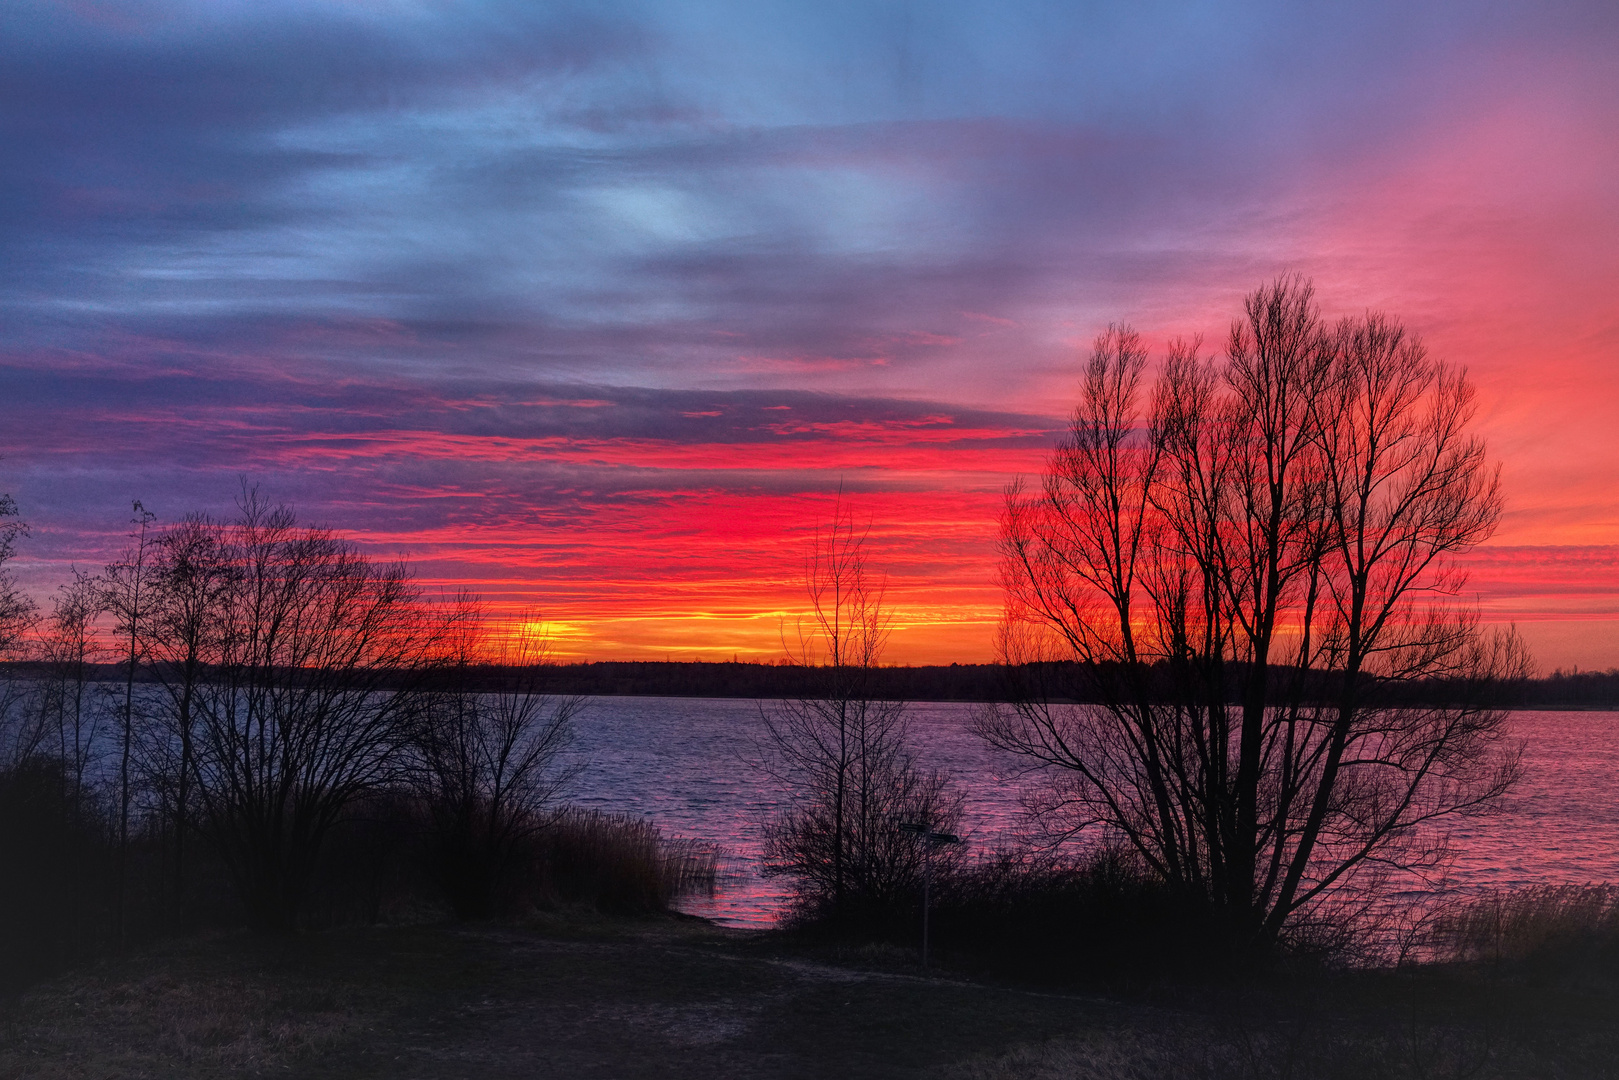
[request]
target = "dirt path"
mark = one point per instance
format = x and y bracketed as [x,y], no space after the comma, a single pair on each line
[662,999]
[658,1009]
[677,999]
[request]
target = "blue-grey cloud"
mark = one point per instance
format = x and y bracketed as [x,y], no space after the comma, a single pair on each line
[235,237]
[597,190]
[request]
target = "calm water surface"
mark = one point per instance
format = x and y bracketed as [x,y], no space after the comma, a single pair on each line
[690,764]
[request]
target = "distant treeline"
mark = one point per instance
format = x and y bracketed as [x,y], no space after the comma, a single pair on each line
[972,682]
[1572,690]
[939,682]
[953,682]
[658,678]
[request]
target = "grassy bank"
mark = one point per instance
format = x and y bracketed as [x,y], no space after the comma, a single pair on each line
[585,995]
[60,902]
[575,997]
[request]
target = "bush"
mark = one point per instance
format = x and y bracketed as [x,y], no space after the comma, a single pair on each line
[59,865]
[56,866]
[389,862]
[1097,918]
[374,866]
[1101,917]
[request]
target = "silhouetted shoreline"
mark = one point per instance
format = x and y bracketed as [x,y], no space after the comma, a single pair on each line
[1562,691]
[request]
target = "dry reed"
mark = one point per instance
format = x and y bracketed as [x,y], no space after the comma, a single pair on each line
[620,863]
[1525,923]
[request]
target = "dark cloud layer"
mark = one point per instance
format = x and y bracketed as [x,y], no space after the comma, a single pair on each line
[597,191]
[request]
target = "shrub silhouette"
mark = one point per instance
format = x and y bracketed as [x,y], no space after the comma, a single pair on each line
[55,861]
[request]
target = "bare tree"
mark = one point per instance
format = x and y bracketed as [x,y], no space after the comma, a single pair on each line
[16,609]
[192,576]
[17,618]
[843,752]
[312,696]
[1245,584]
[69,648]
[127,595]
[490,749]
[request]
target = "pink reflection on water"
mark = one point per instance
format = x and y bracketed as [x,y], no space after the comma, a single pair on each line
[690,764]
[1562,822]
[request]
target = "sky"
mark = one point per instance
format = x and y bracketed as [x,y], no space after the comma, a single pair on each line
[597,308]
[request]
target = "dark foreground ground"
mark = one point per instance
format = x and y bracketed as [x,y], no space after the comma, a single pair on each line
[675,998]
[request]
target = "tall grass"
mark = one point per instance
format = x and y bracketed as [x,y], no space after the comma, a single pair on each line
[390,864]
[618,863]
[59,858]
[1537,924]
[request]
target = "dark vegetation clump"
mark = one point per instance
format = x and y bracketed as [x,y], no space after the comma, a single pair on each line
[1095,920]
[54,877]
[250,722]
[379,865]
[390,865]
[61,860]
[375,867]
[1544,932]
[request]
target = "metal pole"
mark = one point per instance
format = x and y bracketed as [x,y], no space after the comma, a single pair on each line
[928,838]
[927,877]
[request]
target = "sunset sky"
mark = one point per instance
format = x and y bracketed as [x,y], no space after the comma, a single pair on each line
[594,307]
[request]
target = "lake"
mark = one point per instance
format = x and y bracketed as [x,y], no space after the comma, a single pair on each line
[690,765]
